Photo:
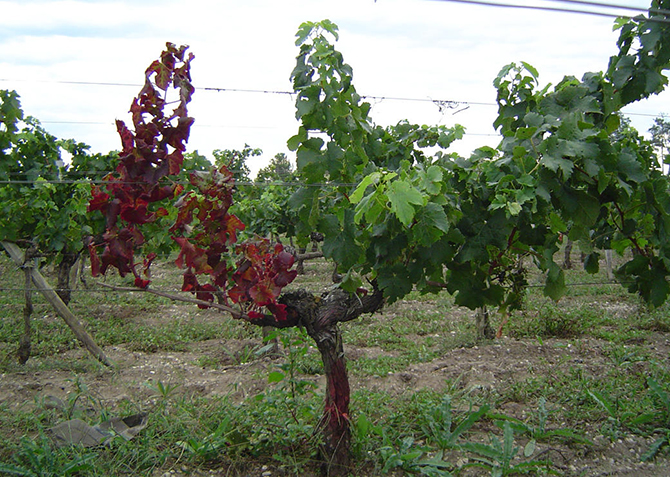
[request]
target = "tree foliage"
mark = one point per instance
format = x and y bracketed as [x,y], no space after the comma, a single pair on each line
[660,138]
[236,161]
[280,169]
[264,206]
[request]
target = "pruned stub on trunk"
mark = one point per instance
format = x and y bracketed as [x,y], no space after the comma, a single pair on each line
[320,316]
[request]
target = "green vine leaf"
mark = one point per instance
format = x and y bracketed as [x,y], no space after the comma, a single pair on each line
[403,196]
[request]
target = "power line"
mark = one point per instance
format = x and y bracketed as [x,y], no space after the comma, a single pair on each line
[613,5]
[553,9]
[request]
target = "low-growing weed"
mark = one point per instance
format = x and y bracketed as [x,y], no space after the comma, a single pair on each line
[619,417]
[548,321]
[287,375]
[38,459]
[497,456]
[539,431]
[248,353]
[163,392]
[623,355]
[226,437]
[440,428]
[406,455]
[660,418]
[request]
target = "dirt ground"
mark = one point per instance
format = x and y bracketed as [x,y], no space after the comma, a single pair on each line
[478,369]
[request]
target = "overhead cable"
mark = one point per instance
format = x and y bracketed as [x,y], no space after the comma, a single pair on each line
[614,5]
[553,9]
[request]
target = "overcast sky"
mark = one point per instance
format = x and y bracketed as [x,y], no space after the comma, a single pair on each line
[423,50]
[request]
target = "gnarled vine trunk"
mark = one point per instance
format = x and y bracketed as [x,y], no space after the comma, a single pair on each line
[321,317]
[335,420]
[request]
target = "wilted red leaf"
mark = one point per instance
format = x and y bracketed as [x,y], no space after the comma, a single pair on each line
[237,294]
[199,262]
[190,281]
[137,213]
[162,74]
[99,200]
[178,135]
[191,256]
[233,225]
[132,235]
[186,253]
[204,294]
[282,279]
[141,283]
[160,193]
[95,260]
[112,213]
[147,263]
[245,274]
[117,260]
[220,274]
[127,138]
[283,261]
[175,161]
[264,292]
[278,310]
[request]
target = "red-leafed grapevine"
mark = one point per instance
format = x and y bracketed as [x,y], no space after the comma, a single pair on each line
[206,233]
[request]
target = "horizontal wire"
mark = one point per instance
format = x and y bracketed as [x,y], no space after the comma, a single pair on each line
[219,126]
[163,290]
[96,290]
[224,126]
[257,91]
[378,98]
[259,184]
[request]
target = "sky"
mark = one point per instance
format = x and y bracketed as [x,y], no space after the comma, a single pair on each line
[78,64]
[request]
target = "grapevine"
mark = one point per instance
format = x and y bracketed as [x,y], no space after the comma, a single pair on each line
[137,194]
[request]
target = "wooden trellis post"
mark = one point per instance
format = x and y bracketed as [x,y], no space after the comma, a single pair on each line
[61,308]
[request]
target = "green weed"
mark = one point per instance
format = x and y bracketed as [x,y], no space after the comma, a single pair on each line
[36,458]
[538,430]
[440,428]
[497,456]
